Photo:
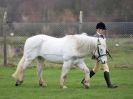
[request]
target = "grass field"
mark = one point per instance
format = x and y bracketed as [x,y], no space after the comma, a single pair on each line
[98,90]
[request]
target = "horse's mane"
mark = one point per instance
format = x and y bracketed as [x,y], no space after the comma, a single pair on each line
[85,41]
[81,41]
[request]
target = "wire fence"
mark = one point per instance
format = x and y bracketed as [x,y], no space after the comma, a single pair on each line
[118,34]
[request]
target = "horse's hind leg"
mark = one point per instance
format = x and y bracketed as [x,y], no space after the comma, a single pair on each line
[24,66]
[40,62]
[18,75]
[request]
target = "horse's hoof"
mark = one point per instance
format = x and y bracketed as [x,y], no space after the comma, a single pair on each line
[42,85]
[18,83]
[86,86]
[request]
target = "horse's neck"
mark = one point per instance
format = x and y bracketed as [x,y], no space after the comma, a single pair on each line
[93,43]
[90,42]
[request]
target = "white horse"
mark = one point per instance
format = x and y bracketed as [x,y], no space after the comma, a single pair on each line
[68,50]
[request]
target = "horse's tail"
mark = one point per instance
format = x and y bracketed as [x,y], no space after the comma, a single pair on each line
[19,69]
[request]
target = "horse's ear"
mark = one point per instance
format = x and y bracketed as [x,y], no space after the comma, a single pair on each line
[98,42]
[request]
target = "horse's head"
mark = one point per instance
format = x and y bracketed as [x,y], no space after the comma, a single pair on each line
[100,52]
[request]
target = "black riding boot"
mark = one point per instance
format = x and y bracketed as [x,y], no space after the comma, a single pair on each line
[108,81]
[91,74]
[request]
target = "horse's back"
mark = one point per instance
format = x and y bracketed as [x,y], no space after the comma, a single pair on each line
[54,48]
[46,46]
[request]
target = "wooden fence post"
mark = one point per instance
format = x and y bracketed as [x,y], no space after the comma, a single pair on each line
[80,21]
[4,35]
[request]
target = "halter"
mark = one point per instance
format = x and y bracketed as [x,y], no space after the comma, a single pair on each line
[98,51]
[99,54]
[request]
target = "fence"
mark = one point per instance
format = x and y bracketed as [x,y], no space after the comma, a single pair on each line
[118,34]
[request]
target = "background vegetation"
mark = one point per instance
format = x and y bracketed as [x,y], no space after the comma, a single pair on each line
[68,10]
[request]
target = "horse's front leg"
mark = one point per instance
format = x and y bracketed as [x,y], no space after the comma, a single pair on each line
[85,69]
[39,72]
[65,69]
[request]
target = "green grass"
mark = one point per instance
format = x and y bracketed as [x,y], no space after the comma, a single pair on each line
[98,90]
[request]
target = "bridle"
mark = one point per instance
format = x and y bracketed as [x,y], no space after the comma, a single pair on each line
[98,52]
